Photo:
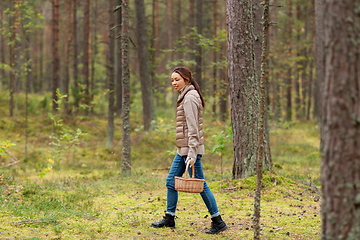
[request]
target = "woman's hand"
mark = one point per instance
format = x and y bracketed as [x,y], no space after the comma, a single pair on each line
[190,160]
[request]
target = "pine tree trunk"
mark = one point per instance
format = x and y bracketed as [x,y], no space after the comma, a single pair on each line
[2,53]
[243,87]
[41,61]
[118,62]
[320,74]
[75,51]
[149,116]
[198,56]
[191,26]
[110,75]
[262,122]
[12,60]
[298,67]
[224,82]
[215,60]
[67,53]
[288,82]
[55,54]
[86,53]
[94,52]
[126,149]
[340,168]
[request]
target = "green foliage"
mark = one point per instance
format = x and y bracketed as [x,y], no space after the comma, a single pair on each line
[4,146]
[62,139]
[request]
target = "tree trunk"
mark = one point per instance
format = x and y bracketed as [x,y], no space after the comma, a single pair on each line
[224,82]
[110,75]
[12,60]
[75,66]
[215,94]
[55,54]
[288,83]
[67,53]
[191,26]
[262,122]
[126,149]
[118,62]
[2,53]
[149,116]
[298,67]
[86,53]
[243,87]
[340,168]
[41,61]
[198,56]
[320,74]
[94,52]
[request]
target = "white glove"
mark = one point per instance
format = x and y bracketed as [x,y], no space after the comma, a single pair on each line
[190,160]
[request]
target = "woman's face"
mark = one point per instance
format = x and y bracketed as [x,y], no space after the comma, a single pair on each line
[177,81]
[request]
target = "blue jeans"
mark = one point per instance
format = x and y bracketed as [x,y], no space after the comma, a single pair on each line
[177,169]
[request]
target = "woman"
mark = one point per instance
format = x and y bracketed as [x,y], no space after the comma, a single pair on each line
[190,143]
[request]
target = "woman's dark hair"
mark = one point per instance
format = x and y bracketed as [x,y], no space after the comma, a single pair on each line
[185,73]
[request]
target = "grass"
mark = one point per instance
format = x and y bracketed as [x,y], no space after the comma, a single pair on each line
[85,197]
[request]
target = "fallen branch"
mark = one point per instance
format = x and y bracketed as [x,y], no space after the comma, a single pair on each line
[15,160]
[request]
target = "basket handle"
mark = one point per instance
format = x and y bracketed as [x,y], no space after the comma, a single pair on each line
[193,170]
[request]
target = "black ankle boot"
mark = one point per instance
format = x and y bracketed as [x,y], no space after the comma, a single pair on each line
[168,221]
[217,225]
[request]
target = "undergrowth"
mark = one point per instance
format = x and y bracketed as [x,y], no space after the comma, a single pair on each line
[85,197]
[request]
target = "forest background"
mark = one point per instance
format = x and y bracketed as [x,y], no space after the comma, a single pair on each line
[59,179]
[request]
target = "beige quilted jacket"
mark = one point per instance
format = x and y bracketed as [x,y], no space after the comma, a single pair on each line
[189,119]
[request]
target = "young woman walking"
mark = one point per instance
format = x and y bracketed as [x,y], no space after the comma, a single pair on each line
[190,148]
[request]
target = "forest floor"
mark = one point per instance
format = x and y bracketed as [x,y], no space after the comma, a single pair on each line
[78,193]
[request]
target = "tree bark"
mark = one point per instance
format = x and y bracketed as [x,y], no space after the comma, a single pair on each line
[86,54]
[110,75]
[2,53]
[340,168]
[243,87]
[67,54]
[262,122]
[55,54]
[126,149]
[288,82]
[118,62]
[198,55]
[149,116]
[12,60]
[215,94]
[298,66]
[75,50]
[319,82]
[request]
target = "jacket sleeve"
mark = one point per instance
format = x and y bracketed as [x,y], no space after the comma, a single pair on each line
[191,110]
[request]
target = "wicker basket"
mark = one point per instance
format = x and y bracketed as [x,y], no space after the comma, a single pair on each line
[189,185]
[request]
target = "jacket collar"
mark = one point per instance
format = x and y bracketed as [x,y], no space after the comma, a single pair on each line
[188,87]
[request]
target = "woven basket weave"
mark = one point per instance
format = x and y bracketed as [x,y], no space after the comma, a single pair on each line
[189,185]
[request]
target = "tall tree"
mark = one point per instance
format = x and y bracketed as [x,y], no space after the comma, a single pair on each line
[215,59]
[320,74]
[67,54]
[340,168]
[75,52]
[110,75]
[55,54]
[289,77]
[86,52]
[126,148]
[298,66]
[262,120]
[198,56]
[149,116]
[118,66]
[2,53]
[12,59]
[243,87]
